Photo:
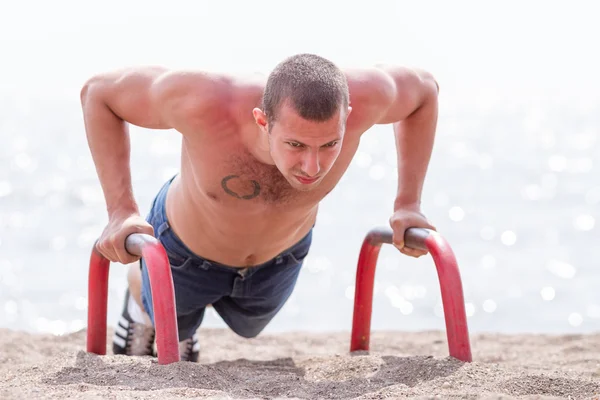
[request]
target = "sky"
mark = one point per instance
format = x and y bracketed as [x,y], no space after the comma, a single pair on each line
[509,46]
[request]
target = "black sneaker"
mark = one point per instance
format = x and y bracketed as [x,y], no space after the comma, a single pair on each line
[132,338]
[189,349]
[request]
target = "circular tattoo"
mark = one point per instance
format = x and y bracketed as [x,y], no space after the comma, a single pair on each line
[230,192]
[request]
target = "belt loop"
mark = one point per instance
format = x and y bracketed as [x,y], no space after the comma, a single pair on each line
[162,228]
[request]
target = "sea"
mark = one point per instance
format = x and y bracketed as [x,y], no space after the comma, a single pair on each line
[513,184]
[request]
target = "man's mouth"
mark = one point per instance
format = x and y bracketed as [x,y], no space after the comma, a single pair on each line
[306,181]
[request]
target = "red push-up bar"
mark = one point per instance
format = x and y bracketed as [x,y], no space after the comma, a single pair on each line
[163,297]
[450,285]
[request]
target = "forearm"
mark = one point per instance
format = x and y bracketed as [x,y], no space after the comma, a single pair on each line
[108,140]
[414,143]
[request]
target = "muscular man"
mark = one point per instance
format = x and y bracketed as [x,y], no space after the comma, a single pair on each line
[258,155]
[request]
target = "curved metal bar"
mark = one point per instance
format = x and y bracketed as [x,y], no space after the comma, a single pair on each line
[97,301]
[450,285]
[137,242]
[453,301]
[163,297]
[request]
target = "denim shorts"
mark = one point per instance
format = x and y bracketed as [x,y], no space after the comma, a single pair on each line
[247,299]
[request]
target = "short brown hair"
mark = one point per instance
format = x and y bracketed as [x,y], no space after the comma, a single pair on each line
[315,86]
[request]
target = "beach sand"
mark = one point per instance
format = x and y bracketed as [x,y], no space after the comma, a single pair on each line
[307,366]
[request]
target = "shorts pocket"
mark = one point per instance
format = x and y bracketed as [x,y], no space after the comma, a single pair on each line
[296,257]
[300,251]
[178,262]
[178,257]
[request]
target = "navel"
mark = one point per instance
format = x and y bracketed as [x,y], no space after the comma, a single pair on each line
[251,260]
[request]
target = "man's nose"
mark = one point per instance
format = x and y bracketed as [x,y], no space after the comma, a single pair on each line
[310,164]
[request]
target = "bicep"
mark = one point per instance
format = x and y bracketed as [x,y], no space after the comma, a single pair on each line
[127,94]
[156,98]
[412,88]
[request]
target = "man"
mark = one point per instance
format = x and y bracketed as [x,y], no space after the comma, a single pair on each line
[258,155]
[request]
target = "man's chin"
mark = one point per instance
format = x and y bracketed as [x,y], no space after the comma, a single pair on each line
[303,187]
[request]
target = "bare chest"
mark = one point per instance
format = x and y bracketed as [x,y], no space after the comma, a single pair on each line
[243,178]
[231,178]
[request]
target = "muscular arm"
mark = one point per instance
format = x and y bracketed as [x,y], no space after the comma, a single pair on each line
[413,113]
[149,97]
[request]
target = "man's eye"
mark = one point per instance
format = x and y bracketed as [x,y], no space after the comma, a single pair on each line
[330,144]
[294,144]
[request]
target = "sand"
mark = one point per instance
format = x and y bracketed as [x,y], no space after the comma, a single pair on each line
[307,366]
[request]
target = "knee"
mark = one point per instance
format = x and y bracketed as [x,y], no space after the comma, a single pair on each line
[248,332]
[249,327]
[247,322]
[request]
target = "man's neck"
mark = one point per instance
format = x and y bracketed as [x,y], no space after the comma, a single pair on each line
[257,144]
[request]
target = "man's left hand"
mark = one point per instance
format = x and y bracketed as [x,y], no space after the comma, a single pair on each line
[404,217]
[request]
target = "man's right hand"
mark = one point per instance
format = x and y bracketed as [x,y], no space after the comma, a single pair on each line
[112,241]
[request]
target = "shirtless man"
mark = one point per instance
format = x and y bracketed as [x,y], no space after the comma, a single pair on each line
[258,155]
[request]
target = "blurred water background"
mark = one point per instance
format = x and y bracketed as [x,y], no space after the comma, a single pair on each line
[513,184]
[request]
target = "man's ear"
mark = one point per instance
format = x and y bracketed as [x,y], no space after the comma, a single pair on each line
[348,112]
[261,119]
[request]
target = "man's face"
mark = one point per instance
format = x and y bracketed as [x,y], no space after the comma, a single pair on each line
[304,151]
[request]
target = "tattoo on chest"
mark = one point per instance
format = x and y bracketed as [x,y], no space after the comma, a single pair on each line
[246,190]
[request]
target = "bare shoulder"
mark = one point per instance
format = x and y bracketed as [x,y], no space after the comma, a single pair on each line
[196,100]
[385,94]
